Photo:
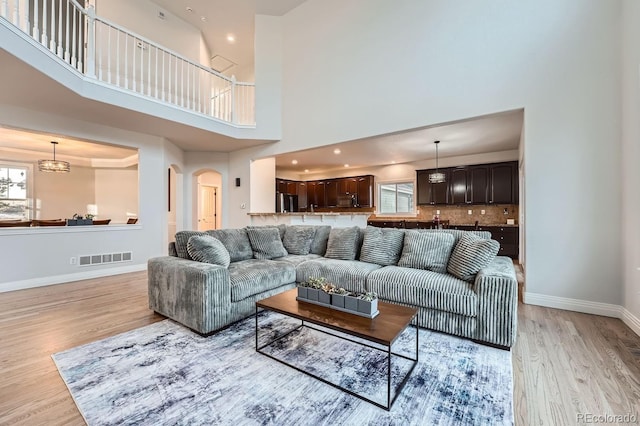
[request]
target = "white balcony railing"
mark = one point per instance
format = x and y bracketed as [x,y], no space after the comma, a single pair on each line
[112,54]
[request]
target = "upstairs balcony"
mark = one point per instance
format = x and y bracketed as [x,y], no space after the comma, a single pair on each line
[110,55]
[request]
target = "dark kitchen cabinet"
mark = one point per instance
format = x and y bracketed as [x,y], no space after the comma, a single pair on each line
[302,195]
[495,183]
[365,191]
[503,183]
[292,187]
[331,193]
[478,185]
[320,193]
[458,185]
[348,186]
[507,236]
[281,186]
[433,193]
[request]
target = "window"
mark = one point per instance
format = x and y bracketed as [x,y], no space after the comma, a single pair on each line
[396,197]
[13,192]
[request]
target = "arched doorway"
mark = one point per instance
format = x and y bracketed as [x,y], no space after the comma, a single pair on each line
[208,200]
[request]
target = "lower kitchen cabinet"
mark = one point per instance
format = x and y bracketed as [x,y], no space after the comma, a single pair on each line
[507,236]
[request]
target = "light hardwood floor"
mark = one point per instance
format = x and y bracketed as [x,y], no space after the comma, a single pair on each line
[565,363]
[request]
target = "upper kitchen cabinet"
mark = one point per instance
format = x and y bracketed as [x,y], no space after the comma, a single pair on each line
[302,194]
[478,184]
[495,183]
[331,193]
[433,193]
[365,191]
[503,183]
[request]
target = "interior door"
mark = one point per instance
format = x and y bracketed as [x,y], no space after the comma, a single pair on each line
[207,207]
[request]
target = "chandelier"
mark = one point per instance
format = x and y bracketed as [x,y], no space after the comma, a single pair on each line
[437,176]
[53,165]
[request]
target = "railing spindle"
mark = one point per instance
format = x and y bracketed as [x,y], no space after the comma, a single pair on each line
[52,39]
[67,21]
[36,31]
[59,51]
[45,39]
[73,38]
[16,13]
[109,77]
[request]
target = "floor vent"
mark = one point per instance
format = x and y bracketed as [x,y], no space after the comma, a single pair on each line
[99,259]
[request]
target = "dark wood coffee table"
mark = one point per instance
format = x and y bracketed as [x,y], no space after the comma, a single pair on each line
[383,330]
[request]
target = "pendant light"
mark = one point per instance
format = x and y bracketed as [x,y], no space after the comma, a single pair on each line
[437,176]
[54,165]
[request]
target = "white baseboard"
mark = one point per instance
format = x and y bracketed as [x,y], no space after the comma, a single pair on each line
[586,307]
[632,321]
[61,279]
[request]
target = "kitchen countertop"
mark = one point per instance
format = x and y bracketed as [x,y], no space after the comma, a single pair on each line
[413,219]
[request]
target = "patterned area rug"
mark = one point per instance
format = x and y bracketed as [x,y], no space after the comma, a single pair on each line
[164,374]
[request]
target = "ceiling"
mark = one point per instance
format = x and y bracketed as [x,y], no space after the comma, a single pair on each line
[490,133]
[224,18]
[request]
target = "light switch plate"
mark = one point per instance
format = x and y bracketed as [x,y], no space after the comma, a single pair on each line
[469,212]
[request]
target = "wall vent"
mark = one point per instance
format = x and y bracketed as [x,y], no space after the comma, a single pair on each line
[99,259]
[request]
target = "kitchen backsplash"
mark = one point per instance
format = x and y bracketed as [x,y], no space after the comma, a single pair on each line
[457,215]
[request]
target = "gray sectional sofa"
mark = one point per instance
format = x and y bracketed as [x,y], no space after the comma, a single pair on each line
[453,277]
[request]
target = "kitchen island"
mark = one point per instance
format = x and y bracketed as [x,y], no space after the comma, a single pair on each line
[336,220]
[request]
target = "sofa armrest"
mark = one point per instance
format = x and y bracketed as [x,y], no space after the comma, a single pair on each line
[192,293]
[497,289]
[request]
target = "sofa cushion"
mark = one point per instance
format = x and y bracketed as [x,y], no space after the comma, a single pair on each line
[254,276]
[206,249]
[457,233]
[419,287]
[182,238]
[349,274]
[298,238]
[426,250]
[235,241]
[282,228]
[297,259]
[343,243]
[471,254]
[319,243]
[266,243]
[381,246]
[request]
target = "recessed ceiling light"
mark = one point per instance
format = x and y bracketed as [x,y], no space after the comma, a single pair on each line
[189,9]
[346,165]
[337,151]
[393,162]
[306,170]
[294,161]
[231,38]
[203,18]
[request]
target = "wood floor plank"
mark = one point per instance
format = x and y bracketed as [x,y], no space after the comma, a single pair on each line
[564,363]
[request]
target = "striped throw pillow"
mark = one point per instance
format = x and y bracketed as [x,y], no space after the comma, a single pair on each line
[426,250]
[381,246]
[343,243]
[298,238]
[206,249]
[471,254]
[266,243]
[235,241]
[182,238]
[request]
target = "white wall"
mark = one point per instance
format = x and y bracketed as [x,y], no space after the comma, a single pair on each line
[263,188]
[141,16]
[61,195]
[268,75]
[379,67]
[631,156]
[43,257]
[116,194]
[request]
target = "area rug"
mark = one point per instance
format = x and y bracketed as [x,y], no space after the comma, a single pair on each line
[164,374]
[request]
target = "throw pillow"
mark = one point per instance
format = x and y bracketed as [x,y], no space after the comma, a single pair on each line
[206,249]
[182,238]
[381,246]
[266,243]
[343,243]
[235,241]
[297,239]
[426,250]
[281,228]
[319,244]
[471,254]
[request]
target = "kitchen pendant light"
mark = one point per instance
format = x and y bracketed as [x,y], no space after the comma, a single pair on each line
[54,165]
[437,176]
